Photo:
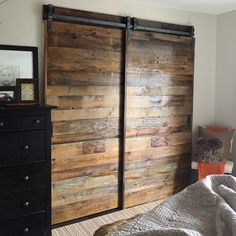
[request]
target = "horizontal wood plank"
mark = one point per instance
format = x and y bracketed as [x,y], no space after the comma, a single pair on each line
[78,161]
[157,101]
[89,37]
[66,90]
[159,111]
[158,152]
[158,91]
[153,79]
[80,209]
[81,114]
[83,183]
[83,78]
[83,102]
[62,199]
[84,130]
[90,170]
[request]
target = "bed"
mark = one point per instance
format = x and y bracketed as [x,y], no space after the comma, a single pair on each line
[205,208]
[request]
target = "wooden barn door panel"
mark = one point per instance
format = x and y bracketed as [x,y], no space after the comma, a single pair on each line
[84,74]
[158,118]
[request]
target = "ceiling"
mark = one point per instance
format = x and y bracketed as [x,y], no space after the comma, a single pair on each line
[205,6]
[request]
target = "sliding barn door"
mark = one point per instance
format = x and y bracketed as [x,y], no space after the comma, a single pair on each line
[83,69]
[158,119]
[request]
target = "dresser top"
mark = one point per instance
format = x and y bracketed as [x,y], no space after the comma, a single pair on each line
[25,107]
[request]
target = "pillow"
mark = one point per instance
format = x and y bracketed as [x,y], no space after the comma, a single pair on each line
[209,150]
[205,169]
[222,129]
[225,135]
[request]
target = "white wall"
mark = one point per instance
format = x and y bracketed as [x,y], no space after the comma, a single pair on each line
[21,24]
[226,73]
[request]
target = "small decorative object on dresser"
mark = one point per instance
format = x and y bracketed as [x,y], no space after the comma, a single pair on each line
[27,90]
[25,171]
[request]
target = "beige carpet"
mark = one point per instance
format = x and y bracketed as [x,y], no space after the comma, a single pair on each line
[88,227]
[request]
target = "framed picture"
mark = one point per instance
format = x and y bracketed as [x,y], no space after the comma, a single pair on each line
[17,62]
[27,91]
[8,94]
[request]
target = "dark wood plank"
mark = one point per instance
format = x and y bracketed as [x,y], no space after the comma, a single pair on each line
[158,131]
[80,102]
[79,36]
[84,75]
[83,78]
[66,90]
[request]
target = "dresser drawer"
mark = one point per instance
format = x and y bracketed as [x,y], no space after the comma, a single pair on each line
[30,175]
[22,122]
[31,226]
[17,204]
[21,147]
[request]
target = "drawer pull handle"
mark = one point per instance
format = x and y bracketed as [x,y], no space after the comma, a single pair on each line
[26,204]
[26,178]
[26,230]
[37,121]
[1,124]
[26,147]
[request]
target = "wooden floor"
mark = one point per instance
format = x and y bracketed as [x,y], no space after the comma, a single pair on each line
[88,227]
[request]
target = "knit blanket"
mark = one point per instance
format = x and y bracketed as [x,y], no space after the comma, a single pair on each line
[206,208]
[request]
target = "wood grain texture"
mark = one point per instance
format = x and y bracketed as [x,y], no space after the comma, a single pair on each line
[66,90]
[159,108]
[84,75]
[84,130]
[85,80]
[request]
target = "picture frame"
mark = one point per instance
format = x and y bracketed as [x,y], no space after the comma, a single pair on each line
[27,91]
[17,62]
[8,94]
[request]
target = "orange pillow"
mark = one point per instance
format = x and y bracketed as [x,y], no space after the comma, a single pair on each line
[217,128]
[205,169]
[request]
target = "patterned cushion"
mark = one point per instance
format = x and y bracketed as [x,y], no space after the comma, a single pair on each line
[209,150]
[225,135]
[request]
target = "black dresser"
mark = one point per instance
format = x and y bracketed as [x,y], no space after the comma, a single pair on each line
[25,171]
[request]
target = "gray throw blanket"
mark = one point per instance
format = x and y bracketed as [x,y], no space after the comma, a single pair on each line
[206,208]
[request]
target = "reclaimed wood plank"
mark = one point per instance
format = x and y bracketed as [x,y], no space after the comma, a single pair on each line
[84,130]
[89,37]
[158,152]
[158,91]
[159,111]
[80,209]
[81,114]
[153,79]
[61,163]
[183,161]
[83,78]
[95,170]
[83,102]
[157,101]
[81,66]
[83,183]
[172,139]
[66,90]
[61,198]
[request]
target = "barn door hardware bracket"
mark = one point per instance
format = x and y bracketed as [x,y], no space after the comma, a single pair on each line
[135,23]
[192,31]
[48,12]
[128,26]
